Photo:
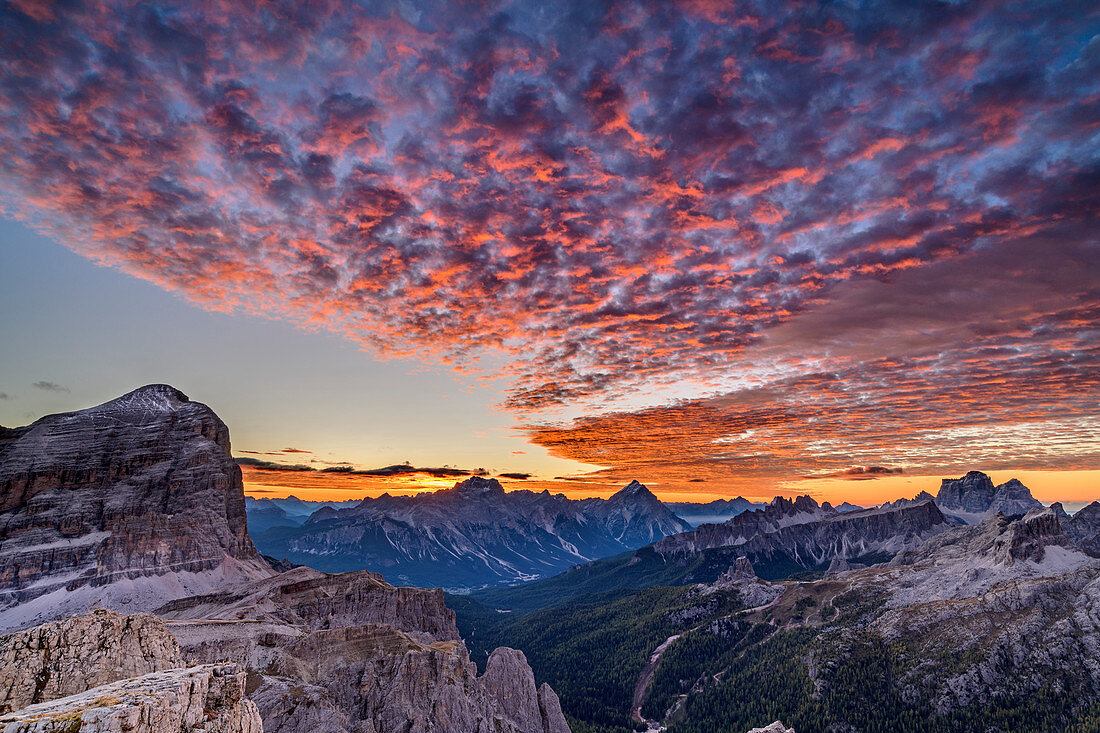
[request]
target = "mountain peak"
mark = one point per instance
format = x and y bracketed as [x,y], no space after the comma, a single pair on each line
[478,486]
[974,497]
[634,490]
[150,398]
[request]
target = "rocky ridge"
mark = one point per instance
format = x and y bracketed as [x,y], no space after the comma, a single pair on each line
[473,535]
[805,535]
[351,653]
[123,505]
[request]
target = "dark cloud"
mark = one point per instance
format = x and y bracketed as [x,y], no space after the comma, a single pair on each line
[50,387]
[861,473]
[5,396]
[515,476]
[270,465]
[401,469]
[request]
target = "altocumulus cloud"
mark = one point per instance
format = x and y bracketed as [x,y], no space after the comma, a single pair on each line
[616,195]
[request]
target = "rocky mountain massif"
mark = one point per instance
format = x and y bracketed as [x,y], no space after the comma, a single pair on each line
[712,512]
[122,505]
[784,538]
[973,498]
[350,652]
[993,626]
[137,502]
[474,535]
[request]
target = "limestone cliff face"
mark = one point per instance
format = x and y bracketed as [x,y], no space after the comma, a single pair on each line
[125,505]
[973,498]
[349,652]
[312,600]
[802,534]
[109,672]
[206,699]
[71,656]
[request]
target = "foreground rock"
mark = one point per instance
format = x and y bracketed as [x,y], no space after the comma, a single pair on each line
[74,655]
[349,652]
[775,727]
[121,505]
[208,698]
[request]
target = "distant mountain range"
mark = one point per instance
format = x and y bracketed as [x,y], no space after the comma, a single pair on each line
[783,538]
[474,535]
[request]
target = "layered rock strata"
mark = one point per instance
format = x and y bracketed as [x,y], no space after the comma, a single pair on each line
[349,652]
[206,699]
[123,505]
[74,655]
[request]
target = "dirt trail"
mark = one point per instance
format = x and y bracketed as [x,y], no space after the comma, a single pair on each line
[643,683]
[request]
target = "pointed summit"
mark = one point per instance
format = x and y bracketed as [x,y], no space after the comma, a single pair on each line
[634,490]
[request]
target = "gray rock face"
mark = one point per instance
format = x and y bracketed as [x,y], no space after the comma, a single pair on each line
[776,727]
[349,652]
[973,498]
[1084,527]
[74,655]
[509,678]
[121,505]
[206,699]
[312,600]
[474,535]
[804,536]
[553,721]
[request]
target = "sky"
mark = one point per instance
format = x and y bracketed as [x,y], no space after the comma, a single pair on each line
[724,248]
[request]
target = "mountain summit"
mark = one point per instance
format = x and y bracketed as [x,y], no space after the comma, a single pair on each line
[131,502]
[973,498]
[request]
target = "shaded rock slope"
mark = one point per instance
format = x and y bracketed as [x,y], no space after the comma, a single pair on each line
[123,505]
[349,652]
[474,535]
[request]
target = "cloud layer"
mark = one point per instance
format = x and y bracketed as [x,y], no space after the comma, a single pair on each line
[614,195]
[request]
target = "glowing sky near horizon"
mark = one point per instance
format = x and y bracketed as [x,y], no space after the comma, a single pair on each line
[719,247]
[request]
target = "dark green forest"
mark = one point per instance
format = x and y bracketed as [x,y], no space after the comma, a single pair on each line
[809,662]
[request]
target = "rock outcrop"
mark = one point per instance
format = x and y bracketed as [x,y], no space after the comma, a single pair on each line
[474,535]
[776,727]
[68,657]
[1083,527]
[801,536]
[349,652]
[973,498]
[206,699]
[121,505]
